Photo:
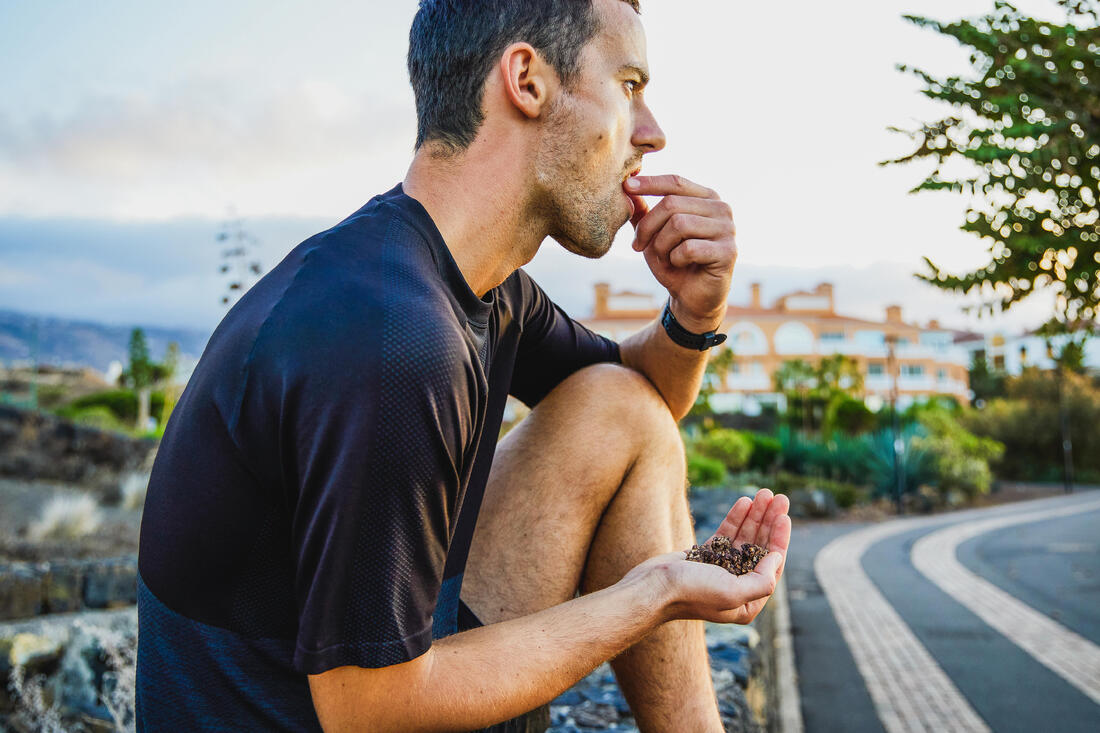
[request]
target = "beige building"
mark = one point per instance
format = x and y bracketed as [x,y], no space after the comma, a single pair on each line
[805,325]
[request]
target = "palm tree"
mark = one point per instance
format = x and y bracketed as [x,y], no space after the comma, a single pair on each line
[796,377]
[839,375]
[721,364]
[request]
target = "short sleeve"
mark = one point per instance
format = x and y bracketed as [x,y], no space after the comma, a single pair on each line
[369,433]
[552,345]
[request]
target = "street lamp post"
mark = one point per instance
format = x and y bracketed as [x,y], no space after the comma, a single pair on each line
[892,366]
[1063,419]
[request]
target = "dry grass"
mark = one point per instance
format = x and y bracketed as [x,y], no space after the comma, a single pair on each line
[66,518]
[133,488]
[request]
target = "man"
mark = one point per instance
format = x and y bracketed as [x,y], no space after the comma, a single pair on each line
[310,525]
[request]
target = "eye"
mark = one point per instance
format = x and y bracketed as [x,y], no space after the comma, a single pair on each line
[632,85]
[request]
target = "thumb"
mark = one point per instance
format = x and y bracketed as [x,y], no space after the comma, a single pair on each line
[771,565]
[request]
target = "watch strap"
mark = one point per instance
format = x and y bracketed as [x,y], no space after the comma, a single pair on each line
[684,337]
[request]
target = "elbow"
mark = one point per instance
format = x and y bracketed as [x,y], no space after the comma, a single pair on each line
[360,699]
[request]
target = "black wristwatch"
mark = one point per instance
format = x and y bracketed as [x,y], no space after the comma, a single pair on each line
[684,337]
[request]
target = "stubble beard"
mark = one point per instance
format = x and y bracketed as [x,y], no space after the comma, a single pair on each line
[580,219]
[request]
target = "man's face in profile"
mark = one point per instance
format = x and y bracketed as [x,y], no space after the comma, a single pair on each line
[596,132]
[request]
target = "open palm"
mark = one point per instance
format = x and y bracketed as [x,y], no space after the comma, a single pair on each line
[712,593]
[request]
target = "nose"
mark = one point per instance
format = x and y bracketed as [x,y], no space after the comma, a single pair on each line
[648,135]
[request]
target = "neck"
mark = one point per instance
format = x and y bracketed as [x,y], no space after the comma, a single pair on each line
[480,202]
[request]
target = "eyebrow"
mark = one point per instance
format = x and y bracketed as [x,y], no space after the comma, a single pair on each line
[642,73]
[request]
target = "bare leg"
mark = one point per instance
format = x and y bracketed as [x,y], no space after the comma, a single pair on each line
[588,486]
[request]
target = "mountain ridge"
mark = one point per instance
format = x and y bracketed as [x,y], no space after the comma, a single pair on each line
[67,341]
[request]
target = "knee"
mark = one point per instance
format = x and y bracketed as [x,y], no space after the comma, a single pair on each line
[619,396]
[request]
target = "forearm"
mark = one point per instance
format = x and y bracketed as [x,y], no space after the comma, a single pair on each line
[497,672]
[675,371]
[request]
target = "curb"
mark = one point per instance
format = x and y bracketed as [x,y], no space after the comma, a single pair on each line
[790,704]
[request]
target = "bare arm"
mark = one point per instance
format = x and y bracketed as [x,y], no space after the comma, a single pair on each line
[676,372]
[688,241]
[487,675]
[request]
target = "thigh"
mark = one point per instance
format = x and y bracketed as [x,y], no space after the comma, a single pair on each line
[552,479]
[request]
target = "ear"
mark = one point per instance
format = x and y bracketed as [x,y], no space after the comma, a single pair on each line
[527,79]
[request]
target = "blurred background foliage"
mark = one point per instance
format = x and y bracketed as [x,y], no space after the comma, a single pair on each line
[1026,120]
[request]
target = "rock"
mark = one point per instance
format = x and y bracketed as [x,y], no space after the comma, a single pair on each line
[40,446]
[110,583]
[568,698]
[732,634]
[595,715]
[811,502]
[608,696]
[6,703]
[733,658]
[36,654]
[63,586]
[20,592]
[97,724]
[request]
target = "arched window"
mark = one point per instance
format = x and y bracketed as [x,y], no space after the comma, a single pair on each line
[794,338]
[747,339]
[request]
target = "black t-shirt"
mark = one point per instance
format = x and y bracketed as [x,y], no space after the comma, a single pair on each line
[313,499]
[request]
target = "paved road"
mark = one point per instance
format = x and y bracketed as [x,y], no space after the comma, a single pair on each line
[982,620]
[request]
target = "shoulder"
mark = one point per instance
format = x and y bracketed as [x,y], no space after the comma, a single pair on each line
[521,294]
[359,288]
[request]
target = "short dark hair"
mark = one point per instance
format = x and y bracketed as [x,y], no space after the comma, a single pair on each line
[453,44]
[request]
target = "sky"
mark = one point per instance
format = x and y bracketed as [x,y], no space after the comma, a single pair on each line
[129,131]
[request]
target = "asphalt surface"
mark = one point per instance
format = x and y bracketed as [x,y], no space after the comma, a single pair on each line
[1051,565]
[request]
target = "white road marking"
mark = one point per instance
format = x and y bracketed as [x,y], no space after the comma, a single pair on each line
[910,691]
[1067,654]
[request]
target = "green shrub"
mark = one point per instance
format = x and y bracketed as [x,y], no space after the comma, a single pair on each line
[51,395]
[704,471]
[845,494]
[841,457]
[765,452]
[849,415]
[960,459]
[1028,423]
[98,417]
[728,446]
[123,403]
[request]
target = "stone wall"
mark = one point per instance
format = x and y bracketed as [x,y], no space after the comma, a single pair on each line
[36,446]
[28,590]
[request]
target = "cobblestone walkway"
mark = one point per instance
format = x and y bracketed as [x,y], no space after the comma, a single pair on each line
[899,672]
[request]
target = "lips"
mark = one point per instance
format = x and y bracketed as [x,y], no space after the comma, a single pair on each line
[630,199]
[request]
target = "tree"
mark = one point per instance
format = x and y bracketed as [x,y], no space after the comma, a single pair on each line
[960,459]
[720,365]
[141,375]
[171,392]
[838,375]
[1028,120]
[796,377]
[237,259]
[985,383]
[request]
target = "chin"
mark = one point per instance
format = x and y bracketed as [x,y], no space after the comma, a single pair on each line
[589,249]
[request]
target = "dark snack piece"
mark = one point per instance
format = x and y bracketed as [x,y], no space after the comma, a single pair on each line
[720,551]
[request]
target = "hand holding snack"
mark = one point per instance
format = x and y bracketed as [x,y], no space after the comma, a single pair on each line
[699,588]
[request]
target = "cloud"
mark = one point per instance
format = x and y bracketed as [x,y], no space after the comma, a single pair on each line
[196,147]
[155,273]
